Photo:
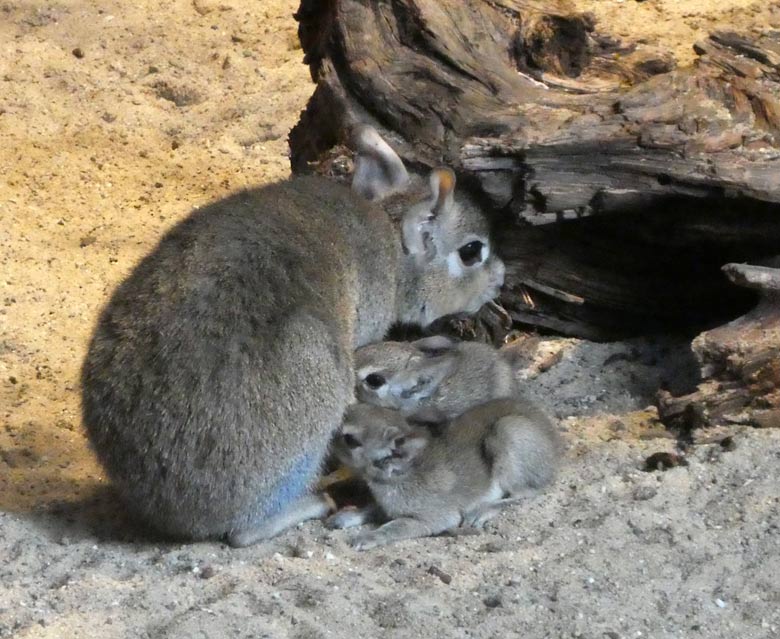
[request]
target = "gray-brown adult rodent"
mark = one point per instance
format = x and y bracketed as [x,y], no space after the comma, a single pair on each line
[435,373]
[223,364]
[485,459]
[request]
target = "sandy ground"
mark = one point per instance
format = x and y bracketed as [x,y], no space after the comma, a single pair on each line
[115,120]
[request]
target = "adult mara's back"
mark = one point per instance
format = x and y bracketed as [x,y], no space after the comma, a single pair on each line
[222,365]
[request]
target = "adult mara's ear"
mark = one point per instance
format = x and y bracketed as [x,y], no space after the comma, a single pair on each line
[442,182]
[421,225]
[378,169]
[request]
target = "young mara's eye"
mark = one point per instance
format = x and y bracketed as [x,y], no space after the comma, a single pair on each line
[471,253]
[374,380]
[399,441]
[350,441]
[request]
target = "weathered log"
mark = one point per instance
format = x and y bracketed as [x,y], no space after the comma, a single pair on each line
[642,179]
[762,278]
[740,362]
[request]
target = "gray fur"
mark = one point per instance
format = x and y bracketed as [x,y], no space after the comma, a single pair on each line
[432,373]
[489,457]
[221,367]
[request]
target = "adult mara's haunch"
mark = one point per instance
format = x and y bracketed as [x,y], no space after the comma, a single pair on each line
[223,364]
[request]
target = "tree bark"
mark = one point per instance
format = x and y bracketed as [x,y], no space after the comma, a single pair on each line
[621,183]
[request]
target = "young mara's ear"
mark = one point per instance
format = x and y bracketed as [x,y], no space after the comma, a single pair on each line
[422,382]
[435,345]
[378,169]
[421,224]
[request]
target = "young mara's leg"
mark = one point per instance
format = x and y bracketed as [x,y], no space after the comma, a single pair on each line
[405,528]
[314,506]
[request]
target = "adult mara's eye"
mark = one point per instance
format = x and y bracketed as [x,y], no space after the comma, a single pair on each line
[374,380]
[350,440]
[471,253]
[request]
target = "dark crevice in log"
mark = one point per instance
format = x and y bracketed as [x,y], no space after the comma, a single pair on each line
[740,361]
[603,277]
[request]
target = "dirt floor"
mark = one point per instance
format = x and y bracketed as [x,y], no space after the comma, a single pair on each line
[117,119]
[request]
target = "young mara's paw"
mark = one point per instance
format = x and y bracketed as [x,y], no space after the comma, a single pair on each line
[346,518]
[368,540]
[477,518]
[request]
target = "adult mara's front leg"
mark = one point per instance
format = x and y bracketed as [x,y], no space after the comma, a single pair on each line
[315,506]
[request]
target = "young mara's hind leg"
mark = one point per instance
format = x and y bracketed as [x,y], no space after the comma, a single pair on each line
[314,506]
[523,453]
[405,528]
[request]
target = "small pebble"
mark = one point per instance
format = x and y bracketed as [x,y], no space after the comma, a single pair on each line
[207,572]
[78,53]
[438,572]
[300,549]
[616,425]
[664,461]
[643,493]
[492,601]
[492,546]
